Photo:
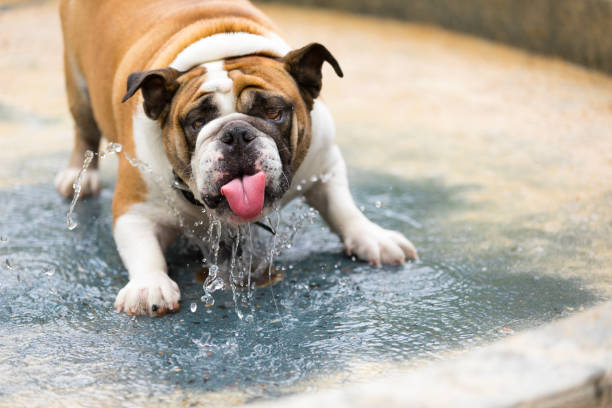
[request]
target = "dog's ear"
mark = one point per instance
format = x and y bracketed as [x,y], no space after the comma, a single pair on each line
[158,87]
[305,64]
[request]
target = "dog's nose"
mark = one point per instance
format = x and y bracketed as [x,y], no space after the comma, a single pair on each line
[238,136]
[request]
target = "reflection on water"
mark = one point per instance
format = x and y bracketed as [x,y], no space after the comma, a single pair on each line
[59,331]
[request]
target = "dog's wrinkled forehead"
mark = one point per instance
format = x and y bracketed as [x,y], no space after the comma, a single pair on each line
[297,75]
[228,85]
[211,84]
[217,82]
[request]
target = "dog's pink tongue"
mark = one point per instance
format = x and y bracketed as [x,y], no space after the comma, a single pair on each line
[246,196]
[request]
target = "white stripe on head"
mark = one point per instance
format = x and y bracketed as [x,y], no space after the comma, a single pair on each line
[220,83]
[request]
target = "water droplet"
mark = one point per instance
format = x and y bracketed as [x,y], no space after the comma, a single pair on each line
[249,318]
[353,258]
[49,272]
[299,188]
[378,204]
[213,269]
[361,208]
[102,154]
[313,179]
[114,147]
[193,307]
[208,300]
[214,286]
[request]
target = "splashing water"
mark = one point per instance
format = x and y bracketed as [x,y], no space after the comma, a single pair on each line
[274,242]
[271,262]
[232,278]
[349,312]
[250,257]
[70,223]
[89,156]
[212,282]
[243,250]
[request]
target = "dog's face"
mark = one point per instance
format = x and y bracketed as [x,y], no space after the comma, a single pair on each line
[236,130]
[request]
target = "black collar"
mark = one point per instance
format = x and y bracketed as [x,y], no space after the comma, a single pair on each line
[181,186]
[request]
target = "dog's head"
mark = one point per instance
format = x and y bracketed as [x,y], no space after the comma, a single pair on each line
[236,130]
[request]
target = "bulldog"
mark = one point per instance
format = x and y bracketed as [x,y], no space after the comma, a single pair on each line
[211,98]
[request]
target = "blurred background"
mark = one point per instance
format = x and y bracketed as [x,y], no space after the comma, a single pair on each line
[580,31]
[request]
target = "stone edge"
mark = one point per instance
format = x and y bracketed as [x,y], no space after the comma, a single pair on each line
[567,363]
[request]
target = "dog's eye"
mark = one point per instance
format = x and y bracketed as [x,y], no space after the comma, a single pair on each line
[198,124]
[274,113]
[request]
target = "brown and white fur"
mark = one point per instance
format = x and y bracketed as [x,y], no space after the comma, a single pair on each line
[222,95]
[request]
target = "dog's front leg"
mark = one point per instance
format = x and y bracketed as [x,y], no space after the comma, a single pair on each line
[141,243]
[361,237]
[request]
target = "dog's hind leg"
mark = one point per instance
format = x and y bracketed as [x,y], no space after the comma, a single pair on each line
[87,135]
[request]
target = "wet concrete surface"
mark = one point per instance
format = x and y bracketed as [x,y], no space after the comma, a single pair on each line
[328,317]
[496,163]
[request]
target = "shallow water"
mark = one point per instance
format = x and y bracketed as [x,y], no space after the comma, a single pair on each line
[60,335]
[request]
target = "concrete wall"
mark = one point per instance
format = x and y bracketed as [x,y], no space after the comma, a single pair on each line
[577,30]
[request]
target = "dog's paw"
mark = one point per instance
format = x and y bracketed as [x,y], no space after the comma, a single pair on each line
[376,245]
[154,296]
[90,184]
